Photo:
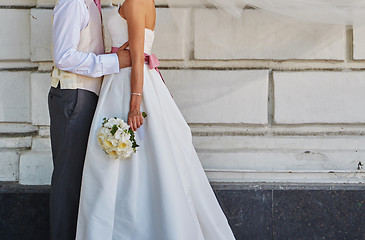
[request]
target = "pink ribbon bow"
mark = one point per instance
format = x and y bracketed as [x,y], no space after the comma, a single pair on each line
[153,63]
[151,60]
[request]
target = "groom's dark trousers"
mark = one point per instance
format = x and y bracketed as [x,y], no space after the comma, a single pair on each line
[71,113]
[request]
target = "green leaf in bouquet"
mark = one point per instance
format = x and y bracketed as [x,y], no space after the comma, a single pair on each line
[130,131]
[105,120]
[144,114]
[134,144]
[132,139]
[114,129]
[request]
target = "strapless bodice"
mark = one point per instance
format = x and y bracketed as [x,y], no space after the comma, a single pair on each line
[118,30]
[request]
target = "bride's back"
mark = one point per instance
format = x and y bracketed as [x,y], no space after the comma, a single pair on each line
[118,29]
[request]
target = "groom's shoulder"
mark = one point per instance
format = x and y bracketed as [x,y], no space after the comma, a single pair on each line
[70,2]
[67,4]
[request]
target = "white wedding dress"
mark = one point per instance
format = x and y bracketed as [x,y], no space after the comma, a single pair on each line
[159,193]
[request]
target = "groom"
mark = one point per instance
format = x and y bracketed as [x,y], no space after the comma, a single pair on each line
[80,64]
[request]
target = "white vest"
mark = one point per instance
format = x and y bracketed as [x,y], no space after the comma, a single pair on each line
[91,40]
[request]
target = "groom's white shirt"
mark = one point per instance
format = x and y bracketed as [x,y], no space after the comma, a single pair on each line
[69,18]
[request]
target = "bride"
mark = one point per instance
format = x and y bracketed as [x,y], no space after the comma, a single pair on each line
[161,192]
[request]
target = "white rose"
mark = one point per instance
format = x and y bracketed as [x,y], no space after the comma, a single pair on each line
[114,141]
[104,130]
[118,134]
[107,144]
[108,125]
[123,125]
[125,154]
[111,122]
[113,154]
[124,145]
[125,137]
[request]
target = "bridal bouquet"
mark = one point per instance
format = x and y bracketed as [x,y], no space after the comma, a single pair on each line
[116,138]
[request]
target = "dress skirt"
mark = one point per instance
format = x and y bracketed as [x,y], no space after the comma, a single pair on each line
[161,192]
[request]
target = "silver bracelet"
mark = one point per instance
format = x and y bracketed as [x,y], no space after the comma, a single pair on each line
[139,94]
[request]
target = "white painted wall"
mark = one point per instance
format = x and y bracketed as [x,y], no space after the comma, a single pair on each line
[268,99]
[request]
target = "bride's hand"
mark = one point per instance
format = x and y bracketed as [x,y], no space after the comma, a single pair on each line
[135,119]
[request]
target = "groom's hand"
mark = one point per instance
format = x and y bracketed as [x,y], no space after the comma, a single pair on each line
[123,56]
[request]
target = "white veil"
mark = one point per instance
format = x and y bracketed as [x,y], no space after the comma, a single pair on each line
[329,17]
[346,12]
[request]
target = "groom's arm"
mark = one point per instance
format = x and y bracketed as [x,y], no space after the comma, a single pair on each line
[70,18]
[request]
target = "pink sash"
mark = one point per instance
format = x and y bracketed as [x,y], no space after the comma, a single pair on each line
[151,61]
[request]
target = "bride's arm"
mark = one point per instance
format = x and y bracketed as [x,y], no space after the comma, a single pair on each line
[135,14]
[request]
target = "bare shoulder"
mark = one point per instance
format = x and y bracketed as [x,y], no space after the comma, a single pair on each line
[135,4]
[134,9]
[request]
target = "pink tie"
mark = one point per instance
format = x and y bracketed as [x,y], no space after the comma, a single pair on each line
[98,5]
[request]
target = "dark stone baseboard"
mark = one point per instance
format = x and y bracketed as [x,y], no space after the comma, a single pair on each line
[254,211]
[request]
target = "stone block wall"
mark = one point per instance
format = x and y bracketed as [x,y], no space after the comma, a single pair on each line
[268,99]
